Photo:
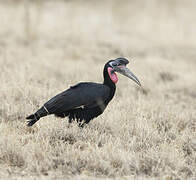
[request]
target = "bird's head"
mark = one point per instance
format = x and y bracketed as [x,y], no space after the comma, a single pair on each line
[119,65]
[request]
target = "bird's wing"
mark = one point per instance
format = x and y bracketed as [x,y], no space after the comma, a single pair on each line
[82,94]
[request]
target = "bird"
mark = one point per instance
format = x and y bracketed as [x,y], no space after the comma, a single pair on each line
[86,100]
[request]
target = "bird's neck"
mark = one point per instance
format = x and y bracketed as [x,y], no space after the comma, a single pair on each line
[108,82]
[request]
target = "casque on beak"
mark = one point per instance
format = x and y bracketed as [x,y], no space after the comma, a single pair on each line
[121,68]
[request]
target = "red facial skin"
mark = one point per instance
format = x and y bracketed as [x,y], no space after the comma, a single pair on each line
[112,75]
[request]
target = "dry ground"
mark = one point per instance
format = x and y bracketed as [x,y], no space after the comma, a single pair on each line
[46,46]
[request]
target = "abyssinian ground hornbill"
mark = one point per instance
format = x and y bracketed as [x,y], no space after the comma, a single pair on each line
[86,100]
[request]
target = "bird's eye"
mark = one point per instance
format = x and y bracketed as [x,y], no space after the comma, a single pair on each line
[114,64]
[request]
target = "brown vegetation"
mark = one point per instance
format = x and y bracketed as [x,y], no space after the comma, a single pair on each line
[148,132]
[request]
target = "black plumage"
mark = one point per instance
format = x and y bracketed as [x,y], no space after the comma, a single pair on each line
[85,100]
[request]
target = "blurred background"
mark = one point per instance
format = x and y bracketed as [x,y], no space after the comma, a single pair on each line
[48,45]
[105,29]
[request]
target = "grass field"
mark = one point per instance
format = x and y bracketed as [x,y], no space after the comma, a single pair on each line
[145,133]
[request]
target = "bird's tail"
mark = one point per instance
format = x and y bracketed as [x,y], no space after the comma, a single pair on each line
[33,118]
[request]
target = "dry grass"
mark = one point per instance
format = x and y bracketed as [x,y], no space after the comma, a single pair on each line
[46,46]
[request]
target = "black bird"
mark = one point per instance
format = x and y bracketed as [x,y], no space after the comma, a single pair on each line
[86,100]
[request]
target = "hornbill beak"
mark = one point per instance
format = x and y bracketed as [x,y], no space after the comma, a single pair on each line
[122,69]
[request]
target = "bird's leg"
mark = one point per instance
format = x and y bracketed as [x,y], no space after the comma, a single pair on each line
[70,121]
[81,122]
[84,122]
[80,125]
